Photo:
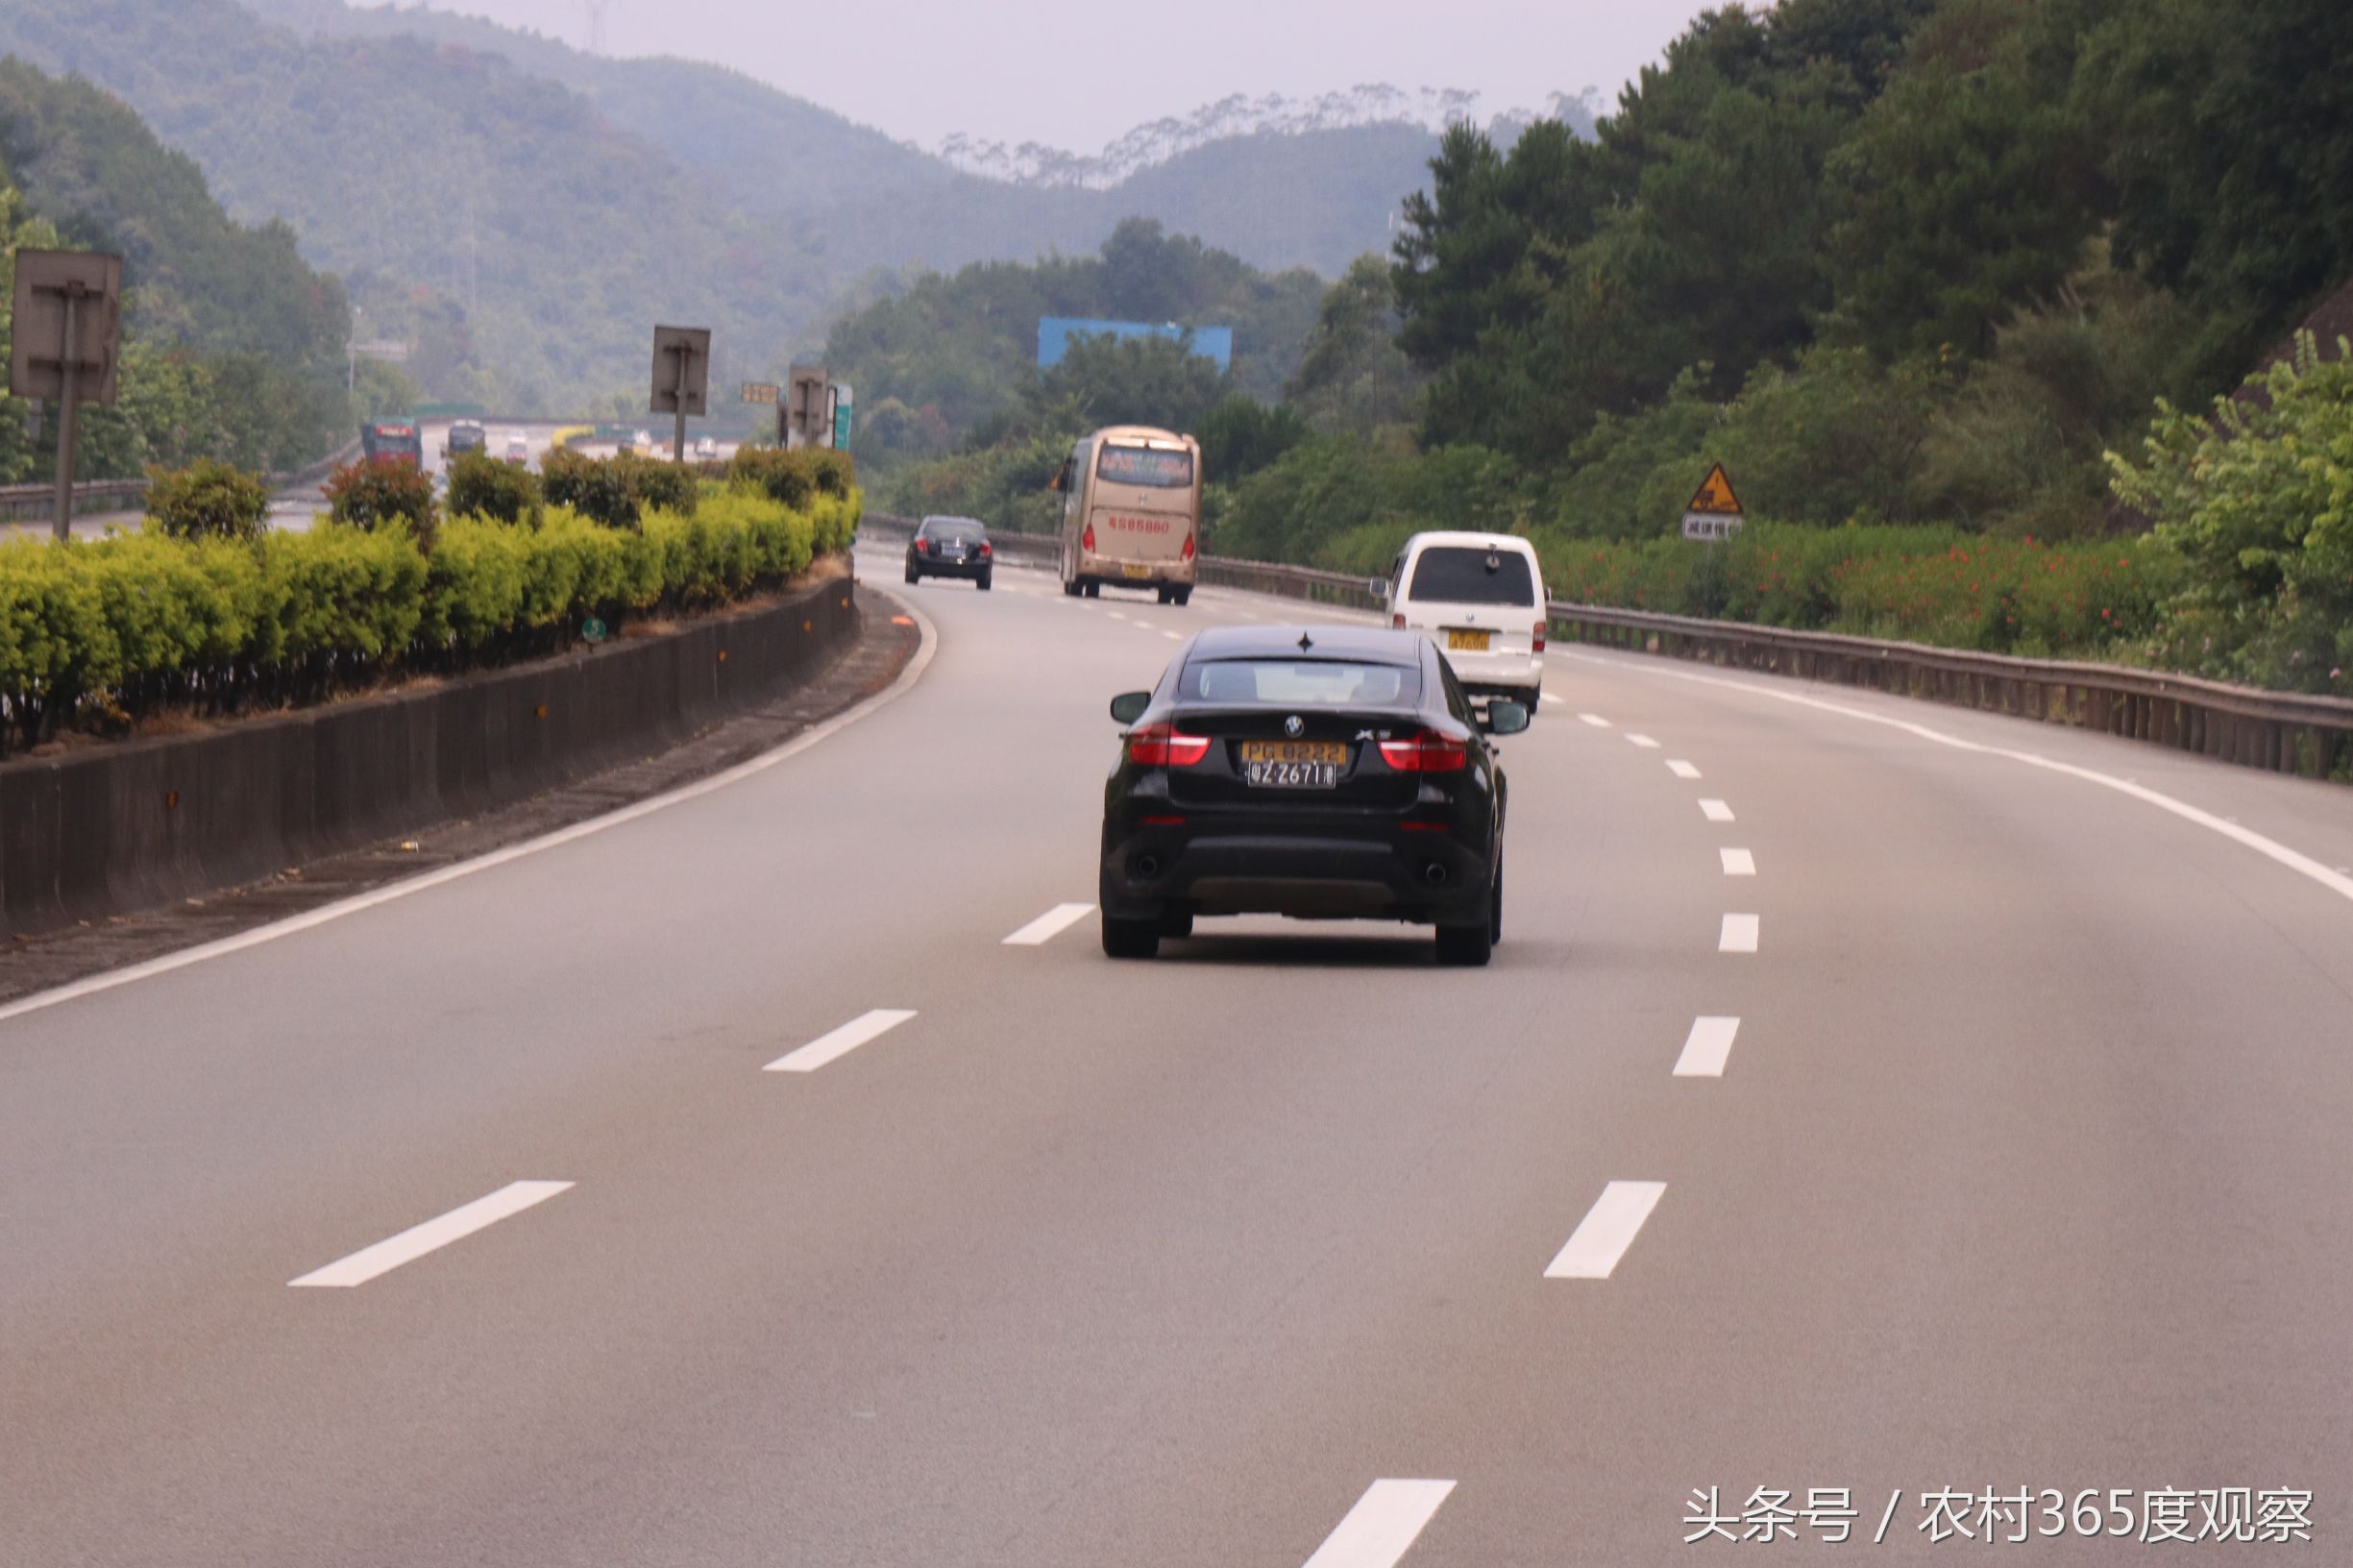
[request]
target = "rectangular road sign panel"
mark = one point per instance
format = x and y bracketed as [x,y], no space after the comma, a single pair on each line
[681,369]
[761,392]
[46,281]
[1711,526]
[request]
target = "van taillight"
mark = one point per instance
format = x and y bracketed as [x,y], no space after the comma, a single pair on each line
[1539,636]
[1397,621]
[1164,746]
[1085,541]
[1427,752]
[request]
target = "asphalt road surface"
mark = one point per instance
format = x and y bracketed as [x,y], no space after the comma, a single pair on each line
[468,1228]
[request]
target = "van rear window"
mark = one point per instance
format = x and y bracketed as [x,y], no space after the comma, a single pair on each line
[1146,466]
[1459,575]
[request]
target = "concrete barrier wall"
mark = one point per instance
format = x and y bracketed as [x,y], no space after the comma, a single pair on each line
[116,830]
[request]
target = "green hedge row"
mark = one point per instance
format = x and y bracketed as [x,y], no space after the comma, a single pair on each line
[95,634]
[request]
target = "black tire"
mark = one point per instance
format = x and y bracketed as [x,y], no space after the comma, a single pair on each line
[912,575]
[1130,939]
[1069,589]
[1183,597]
[1495,905]
[1466,947]
[982,582]
[1163,595]
[1176,924]
[1091,588]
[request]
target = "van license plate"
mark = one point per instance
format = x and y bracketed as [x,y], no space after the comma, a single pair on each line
[1458,640]
[1138,571]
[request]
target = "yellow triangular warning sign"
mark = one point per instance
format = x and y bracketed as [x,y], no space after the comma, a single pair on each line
[1716,496]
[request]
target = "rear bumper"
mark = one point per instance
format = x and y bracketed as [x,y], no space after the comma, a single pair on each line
[1229,869]
[1509,674]
[1178,574]
[927,566]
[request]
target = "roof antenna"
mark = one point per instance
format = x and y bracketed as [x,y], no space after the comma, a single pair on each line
[1306,642]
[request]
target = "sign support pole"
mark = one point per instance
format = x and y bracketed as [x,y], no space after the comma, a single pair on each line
[678,450]
[65,415]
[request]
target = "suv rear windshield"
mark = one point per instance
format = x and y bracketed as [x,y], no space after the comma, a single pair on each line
[1462,574]
[1146,466]
[1299,683]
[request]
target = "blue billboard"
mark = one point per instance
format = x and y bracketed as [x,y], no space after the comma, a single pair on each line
[1055,333]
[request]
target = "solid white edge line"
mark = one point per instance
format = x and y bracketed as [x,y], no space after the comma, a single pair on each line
[414,1242]
[1716,811]
[392,891]
[1738,862]
[1642,741]
[1681,768]
[1595,719]
[1383,1526]
[1610,1227]
[1048,925]
[832,1046]
[1739,935]
[2334,881]
[1706,1048]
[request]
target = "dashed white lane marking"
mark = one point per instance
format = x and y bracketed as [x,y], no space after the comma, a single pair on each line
[1738,862]
[1118,615]
[1048,925]
[2338,882]
[1681,768]
[1610,1227]
[1173,636]
[1383,1526]
[1644,742]
[841,1041]
[432,1236]
[1143,625]
[1739,934]
[1595,719]
[1557,701]
[1715,811]
[1706,1048]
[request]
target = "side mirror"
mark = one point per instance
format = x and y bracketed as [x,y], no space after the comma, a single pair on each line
[1061,481]
[1129,706]
[1505,716]
[1380,589]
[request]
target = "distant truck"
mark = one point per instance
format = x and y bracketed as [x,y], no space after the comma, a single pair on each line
[396,439]
[1131,512]
[465,436]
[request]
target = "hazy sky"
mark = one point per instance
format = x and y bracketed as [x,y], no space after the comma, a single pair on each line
[1006,69]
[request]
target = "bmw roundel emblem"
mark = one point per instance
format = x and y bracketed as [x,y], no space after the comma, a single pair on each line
[1294,726]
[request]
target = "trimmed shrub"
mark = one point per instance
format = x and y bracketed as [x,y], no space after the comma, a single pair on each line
[482,486]
[384,493]
[616,492]
[208,500]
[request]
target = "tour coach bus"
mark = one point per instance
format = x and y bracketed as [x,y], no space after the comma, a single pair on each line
[1131,512]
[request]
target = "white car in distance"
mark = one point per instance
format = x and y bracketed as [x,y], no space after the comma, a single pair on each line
[1481,597]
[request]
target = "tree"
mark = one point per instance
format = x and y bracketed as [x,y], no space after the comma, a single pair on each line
[1129,381]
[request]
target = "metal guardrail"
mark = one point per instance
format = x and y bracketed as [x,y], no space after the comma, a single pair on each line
[2285,732]
[95,498]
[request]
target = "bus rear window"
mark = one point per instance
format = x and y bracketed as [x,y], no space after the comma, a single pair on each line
[1457,574]
[1147,467]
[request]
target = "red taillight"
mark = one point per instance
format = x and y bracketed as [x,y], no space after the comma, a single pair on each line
[1164,746]
[1163,822]
[1397,623]
[1539,636]
[1085,541]
[922,546]
[1427,752]
[1189,547]
[984,549]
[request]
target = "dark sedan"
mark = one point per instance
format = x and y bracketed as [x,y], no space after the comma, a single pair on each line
[1328,772]
[950,547]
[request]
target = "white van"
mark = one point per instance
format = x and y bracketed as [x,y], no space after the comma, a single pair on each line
[1481,597]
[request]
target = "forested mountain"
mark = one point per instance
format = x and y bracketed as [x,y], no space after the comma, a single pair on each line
[525,211]
[235,347]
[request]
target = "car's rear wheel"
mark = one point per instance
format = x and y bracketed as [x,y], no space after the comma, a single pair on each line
[1466,947]
[912,575]
[1130,939]
[983,582]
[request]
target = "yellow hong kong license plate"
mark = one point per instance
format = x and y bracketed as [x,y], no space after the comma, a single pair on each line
[1138,571]
[1332,751]
[1467,642]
